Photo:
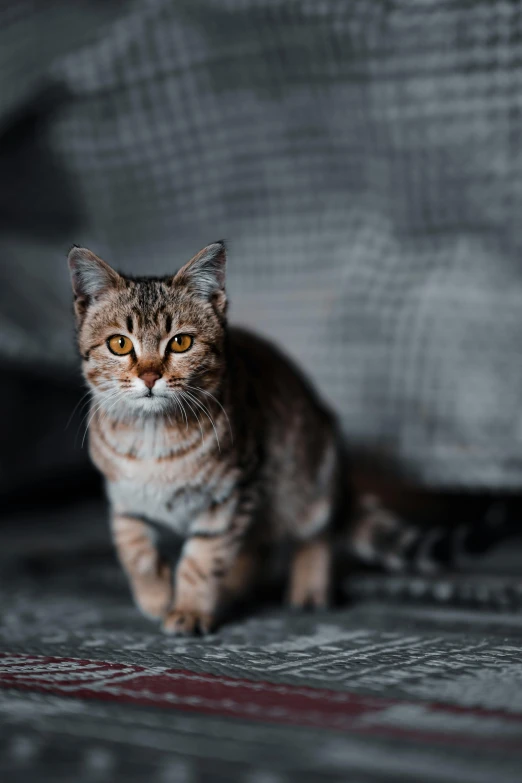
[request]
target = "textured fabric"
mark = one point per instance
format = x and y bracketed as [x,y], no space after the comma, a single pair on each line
[89,691]
[362,158]
[411,679]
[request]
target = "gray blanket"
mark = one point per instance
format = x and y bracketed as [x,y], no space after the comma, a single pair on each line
[376,692]
[363,159]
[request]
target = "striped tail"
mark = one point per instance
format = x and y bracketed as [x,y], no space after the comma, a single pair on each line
[380,537]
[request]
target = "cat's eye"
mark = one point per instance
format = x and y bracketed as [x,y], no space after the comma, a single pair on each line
[119,344]
[181,343]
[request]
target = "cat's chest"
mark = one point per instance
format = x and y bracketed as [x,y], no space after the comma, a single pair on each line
[171,483]
[176,507]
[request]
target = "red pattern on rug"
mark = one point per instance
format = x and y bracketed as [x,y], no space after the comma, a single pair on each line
[260,701]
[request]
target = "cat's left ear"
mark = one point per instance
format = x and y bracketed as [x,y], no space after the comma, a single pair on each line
[205,275]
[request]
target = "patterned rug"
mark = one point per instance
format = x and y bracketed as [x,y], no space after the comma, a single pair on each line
[389,688]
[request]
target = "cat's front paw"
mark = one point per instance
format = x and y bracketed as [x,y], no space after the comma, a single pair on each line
[154,594]
[154,604]
[181,622]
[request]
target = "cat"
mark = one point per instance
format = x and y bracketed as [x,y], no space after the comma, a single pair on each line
[211,433]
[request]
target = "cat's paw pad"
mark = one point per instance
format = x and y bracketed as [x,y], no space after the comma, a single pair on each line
[186,623]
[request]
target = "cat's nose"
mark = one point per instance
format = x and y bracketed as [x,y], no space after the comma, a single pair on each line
[149,378]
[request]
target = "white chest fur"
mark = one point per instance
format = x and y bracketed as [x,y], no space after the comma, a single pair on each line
[177,509]
[163,479]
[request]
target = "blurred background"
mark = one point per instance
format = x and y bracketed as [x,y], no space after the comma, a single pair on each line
[363,161]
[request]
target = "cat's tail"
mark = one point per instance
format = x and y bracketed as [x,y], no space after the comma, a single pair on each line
[380,537]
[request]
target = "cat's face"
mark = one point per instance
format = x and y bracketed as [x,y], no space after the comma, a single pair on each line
[150,344]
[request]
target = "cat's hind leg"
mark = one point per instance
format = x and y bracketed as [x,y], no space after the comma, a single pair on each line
[311,563]
[310,574]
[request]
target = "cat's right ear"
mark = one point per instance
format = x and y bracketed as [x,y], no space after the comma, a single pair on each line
[90,277]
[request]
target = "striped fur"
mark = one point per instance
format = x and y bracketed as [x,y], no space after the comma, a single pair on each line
[230,450]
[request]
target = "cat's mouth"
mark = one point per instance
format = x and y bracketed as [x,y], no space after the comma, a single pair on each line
[152,395]
[150,402]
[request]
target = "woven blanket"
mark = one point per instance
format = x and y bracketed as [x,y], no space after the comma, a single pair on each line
[416,680]
[363,159]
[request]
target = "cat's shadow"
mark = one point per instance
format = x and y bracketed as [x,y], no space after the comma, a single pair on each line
[273,598]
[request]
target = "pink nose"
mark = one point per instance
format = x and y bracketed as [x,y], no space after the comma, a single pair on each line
[149,378]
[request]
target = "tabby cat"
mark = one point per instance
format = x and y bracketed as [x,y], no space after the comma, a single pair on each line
[211,433]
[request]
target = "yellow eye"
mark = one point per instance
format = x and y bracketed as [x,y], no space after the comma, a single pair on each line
[181,343]
[119,344]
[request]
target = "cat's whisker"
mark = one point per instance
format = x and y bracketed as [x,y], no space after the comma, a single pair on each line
[170,420]
[209,417]
[90,410]
[90,416]
[198,402]
[85,410]
[104,390]
[182,411]
[118,394]
[87,414]
[195,414]
[106,412]
[178,401]
[204,391]
[116,400]
[82,401]
[207,413]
